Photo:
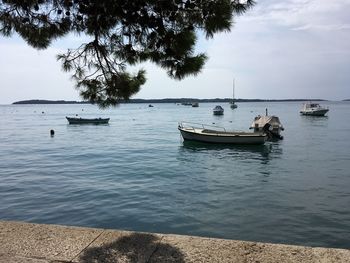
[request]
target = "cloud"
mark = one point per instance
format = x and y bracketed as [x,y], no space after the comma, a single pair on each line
[294,49]
[304,14]
[30,74]
[278,49]
[323,27]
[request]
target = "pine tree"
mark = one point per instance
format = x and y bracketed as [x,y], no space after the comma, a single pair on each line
[122,33]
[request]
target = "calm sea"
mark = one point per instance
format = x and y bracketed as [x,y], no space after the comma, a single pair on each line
[137,174]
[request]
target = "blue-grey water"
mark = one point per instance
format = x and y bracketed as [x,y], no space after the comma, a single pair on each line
[137,174]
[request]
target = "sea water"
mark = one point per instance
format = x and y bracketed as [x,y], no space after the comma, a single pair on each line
[137,174]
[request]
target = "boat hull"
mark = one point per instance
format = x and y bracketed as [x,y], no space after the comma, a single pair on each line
[87,121]
[233,106]
[222,137]
[314,112]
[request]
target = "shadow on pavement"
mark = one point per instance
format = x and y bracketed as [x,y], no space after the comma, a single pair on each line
[137,247]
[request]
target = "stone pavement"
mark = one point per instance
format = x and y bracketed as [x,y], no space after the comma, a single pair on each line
[39,243]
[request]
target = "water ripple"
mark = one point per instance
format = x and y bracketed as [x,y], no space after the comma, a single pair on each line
[136,173]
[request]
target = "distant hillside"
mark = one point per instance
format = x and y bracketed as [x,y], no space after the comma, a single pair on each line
[169,100]
[347,100]
[49,102]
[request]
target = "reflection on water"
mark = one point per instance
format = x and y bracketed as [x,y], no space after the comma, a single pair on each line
[264,150]
[248,160]
[307,119]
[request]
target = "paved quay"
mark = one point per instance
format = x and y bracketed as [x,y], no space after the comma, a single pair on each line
[40,243]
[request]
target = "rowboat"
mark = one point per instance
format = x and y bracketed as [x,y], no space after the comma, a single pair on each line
[74,120]
[213,134]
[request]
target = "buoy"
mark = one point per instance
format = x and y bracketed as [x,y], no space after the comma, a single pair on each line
[52,133]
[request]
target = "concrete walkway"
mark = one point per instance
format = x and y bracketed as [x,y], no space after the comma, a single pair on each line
[25,242]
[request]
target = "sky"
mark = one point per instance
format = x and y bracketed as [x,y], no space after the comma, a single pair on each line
[277,50]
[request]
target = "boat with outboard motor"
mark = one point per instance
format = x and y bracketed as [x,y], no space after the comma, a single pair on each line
[214,134]
[271,125]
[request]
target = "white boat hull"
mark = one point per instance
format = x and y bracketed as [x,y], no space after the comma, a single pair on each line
[314,112]
[211,136]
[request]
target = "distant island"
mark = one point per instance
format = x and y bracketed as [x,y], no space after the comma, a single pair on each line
[49,102]
[169,100]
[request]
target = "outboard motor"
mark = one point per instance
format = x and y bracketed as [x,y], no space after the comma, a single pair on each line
[270,134]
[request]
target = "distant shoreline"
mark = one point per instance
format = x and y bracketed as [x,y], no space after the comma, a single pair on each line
[170,100]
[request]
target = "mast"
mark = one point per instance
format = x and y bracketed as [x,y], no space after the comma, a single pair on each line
[233,105]
[233,91]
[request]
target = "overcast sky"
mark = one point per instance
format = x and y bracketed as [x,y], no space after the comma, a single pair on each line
[279,49]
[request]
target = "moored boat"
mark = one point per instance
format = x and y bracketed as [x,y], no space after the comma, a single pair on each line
[233,105]
[218,110]
[75,120]
[313,109]
[271,125]
[214,134]
[195,104]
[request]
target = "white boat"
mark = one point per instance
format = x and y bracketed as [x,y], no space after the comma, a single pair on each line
[218,110]
[313,109]
[271,125]
[75,120]
[195,104]
[232,103]
[214,134]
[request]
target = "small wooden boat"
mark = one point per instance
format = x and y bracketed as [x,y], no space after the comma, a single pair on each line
[218,110]
[74,120]
[214,134]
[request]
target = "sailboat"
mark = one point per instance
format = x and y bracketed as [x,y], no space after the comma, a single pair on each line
[233,105]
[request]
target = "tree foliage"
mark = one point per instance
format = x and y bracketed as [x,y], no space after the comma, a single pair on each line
[122,33]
